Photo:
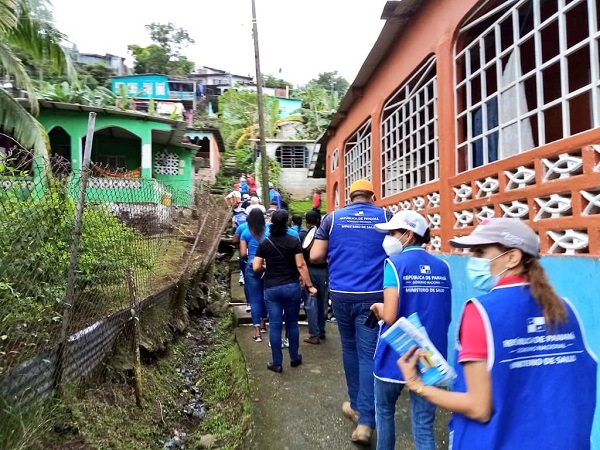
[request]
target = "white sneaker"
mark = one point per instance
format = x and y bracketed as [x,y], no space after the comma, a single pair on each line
[241,278]
[248,309]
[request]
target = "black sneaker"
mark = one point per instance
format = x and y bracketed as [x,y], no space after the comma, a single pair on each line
[273,368]
[257,338]
[296,362]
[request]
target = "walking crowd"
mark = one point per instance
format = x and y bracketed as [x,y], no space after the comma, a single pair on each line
[526,378]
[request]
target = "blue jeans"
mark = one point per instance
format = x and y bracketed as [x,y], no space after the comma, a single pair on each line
[422,414]
[254,290]
[283,299]
[358,348]
[316,307]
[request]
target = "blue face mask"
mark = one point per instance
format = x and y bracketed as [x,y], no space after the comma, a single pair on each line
[480,275]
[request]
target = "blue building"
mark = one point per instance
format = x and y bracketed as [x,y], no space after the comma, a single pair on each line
[170,94]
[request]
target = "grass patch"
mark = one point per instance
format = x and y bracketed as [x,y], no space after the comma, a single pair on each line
[301,206]
[229,410]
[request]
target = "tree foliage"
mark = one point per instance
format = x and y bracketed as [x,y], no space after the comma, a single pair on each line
[238,117]
[164,55]
[271,81]
[25,29]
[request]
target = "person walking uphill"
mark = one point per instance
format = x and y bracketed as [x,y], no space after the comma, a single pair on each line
[413,281]
[281,253]
[254,287]
[526,377]
[348,239]
[316,307]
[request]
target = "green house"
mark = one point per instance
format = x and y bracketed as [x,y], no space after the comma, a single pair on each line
[137,158]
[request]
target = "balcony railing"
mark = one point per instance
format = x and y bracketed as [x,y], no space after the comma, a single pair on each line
[181,95]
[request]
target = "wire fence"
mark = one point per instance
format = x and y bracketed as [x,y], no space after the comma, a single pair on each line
[75,276]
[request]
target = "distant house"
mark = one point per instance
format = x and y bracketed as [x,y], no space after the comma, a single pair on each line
[136,158]
[207,161]
[210,81]
[295,158]
[117,63]
[170,94]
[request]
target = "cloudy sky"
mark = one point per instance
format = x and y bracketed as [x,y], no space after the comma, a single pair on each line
[298,39]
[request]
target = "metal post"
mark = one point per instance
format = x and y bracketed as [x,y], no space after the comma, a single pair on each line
[137,361]
[70,289]
[261,111]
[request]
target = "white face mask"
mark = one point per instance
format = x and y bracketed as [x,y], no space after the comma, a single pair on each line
[392,245]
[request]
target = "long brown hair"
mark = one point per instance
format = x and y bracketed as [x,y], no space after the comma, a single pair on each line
[552,306]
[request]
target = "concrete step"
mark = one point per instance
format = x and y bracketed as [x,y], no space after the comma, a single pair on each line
[241,317]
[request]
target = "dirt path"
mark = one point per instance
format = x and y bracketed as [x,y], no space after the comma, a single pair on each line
[301,408]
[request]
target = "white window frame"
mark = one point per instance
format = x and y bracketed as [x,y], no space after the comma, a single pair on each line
[514,131]
[409,133]
[357,157]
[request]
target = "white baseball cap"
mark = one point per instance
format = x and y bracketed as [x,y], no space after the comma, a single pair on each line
[511,233]
[405,220]
[270,184]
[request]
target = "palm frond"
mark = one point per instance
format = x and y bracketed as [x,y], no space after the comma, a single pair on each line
[8,15]
[15,120]
[14,67]
[41,40]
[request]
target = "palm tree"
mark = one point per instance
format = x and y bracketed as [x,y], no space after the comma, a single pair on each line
[21,29]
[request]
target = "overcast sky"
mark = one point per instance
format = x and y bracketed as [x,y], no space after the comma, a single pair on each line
[298,39]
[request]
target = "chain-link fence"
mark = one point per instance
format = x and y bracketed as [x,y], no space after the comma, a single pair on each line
[75,276]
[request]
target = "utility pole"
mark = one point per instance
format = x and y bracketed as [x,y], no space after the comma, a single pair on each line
[261,112]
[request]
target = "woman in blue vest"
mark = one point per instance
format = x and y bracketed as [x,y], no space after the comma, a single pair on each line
[414,281]
[526,377]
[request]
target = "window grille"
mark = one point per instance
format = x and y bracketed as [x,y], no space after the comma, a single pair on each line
[409,137]
[528,74]
[292,156]
[357,157]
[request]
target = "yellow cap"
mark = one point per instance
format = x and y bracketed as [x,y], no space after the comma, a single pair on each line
[362,185]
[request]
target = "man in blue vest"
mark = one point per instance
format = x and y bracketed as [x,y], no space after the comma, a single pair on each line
[349,241]
[274,195]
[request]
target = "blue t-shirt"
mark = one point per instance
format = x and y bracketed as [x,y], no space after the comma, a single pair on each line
[240,229]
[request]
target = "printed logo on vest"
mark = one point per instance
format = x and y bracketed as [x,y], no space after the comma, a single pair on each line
[536,325]
[425,269]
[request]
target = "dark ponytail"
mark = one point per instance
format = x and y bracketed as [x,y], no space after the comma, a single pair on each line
[552,306]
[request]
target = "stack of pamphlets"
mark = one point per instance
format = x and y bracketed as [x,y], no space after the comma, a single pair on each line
[407,332]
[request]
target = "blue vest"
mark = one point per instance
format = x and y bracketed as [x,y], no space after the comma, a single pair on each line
[543,381]
[240,218]
[423,287]
[355,253]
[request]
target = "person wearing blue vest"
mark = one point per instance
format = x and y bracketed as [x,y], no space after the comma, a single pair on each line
[413,281]
[526,376]
[274,195]
[347,238]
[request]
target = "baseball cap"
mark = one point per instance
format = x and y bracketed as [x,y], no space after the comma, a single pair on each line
[511,233]
[405,220]
[270,184]
[362,185]
[245,196]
